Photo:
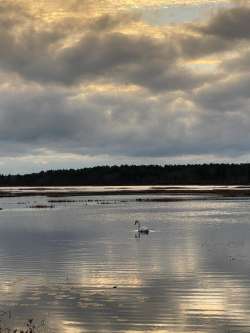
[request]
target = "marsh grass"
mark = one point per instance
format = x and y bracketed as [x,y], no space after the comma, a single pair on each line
[29,326]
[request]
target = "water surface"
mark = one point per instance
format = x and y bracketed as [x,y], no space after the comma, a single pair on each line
[81,267]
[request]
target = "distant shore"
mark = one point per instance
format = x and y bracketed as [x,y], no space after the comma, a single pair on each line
[141,175]
[221,191]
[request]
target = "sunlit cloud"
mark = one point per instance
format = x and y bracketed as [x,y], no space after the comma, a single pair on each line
[108,83]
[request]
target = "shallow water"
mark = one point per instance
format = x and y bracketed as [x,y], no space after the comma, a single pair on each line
[86,189]
[81,267]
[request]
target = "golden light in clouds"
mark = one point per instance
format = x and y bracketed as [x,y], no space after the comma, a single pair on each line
[105,87]
[61,8]
[75,13]
[134,55]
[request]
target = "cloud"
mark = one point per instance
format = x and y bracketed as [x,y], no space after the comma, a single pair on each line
[59,55]
[108,22]
[230,94]
[113,85]
[239,63]
[124,123]
[112,56]
[116,56]
[229,24]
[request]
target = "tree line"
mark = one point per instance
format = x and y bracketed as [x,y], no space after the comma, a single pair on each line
[200,174]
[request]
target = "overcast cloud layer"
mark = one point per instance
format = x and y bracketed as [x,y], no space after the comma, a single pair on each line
[84,84]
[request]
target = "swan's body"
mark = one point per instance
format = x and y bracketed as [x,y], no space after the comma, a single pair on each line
[141,229]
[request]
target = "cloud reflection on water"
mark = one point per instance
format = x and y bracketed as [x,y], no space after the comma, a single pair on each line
[191,274]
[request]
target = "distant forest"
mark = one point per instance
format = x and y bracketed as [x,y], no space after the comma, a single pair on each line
[204,174]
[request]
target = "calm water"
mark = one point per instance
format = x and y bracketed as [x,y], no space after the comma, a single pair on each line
[80,266]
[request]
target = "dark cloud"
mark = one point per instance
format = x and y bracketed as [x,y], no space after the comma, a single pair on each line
[150,98]
[239,63]
[129,124]
[45,118]
[107,22]
[92,57]
[198,46]
[229,24]
[9,19]
[230,94]
[141,59]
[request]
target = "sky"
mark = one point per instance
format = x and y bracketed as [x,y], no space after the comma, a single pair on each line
[87,82]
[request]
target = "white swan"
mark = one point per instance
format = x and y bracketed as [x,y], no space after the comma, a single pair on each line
[141,230]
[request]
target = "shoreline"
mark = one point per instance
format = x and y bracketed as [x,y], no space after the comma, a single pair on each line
[220,192]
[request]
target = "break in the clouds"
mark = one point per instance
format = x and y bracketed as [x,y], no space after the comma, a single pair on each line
[86,82]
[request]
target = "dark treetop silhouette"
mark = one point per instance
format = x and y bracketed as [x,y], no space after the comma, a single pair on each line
[205,174]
